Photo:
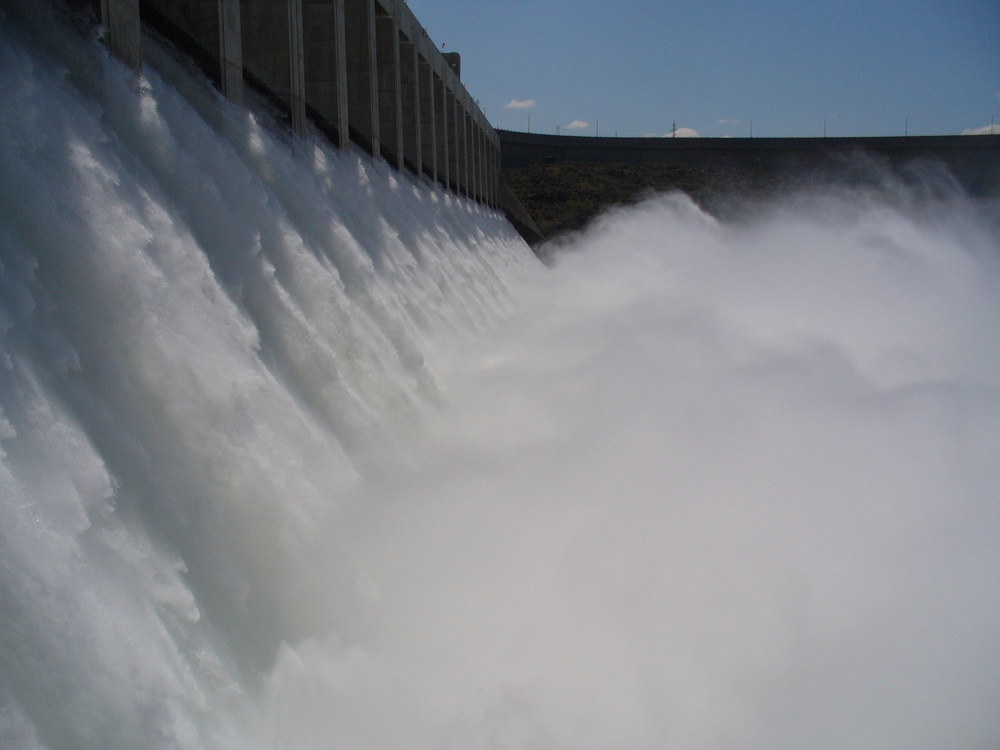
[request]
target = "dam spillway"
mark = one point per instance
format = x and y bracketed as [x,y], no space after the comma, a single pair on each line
[299,454]
[364,71]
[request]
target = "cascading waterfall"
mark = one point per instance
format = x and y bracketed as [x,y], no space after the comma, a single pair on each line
[298,453]
[206,332]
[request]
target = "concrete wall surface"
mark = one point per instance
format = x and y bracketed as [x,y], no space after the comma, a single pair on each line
[361,70]
[973,160]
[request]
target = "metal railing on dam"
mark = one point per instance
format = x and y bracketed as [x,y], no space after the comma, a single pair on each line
[361,70]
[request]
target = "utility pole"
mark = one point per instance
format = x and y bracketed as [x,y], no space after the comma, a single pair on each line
[673,129]
[598,131]
[906,128]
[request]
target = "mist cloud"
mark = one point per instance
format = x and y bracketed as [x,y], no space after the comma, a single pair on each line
[984,130]
[678,133]
[683,133]
[710,487]
[520,104]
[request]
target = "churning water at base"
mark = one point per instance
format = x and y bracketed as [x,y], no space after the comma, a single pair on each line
[298,454]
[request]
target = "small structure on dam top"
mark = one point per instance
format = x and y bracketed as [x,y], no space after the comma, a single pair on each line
[361,70]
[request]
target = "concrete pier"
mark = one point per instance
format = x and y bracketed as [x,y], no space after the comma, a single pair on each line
[230,50]
[362,78]
[273,53]
[455,168]
[409,95]
[428,119]
[389,99]
[122,31]
[363,71]
[326,67]
[444,143]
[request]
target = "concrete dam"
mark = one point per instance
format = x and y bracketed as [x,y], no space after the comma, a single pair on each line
[364,71]
[973,160]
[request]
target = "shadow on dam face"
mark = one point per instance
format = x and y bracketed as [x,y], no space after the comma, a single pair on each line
[564,182]
[974,161]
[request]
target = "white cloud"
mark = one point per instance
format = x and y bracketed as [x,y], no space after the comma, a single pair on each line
[729,121]
[520,104]
[985,130]
[577,125]
[683,133]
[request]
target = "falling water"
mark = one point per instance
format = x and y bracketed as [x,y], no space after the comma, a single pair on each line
[299,453]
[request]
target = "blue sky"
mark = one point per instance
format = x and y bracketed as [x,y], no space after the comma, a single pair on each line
[638,66]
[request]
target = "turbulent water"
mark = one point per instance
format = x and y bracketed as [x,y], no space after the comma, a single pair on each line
[298,453]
